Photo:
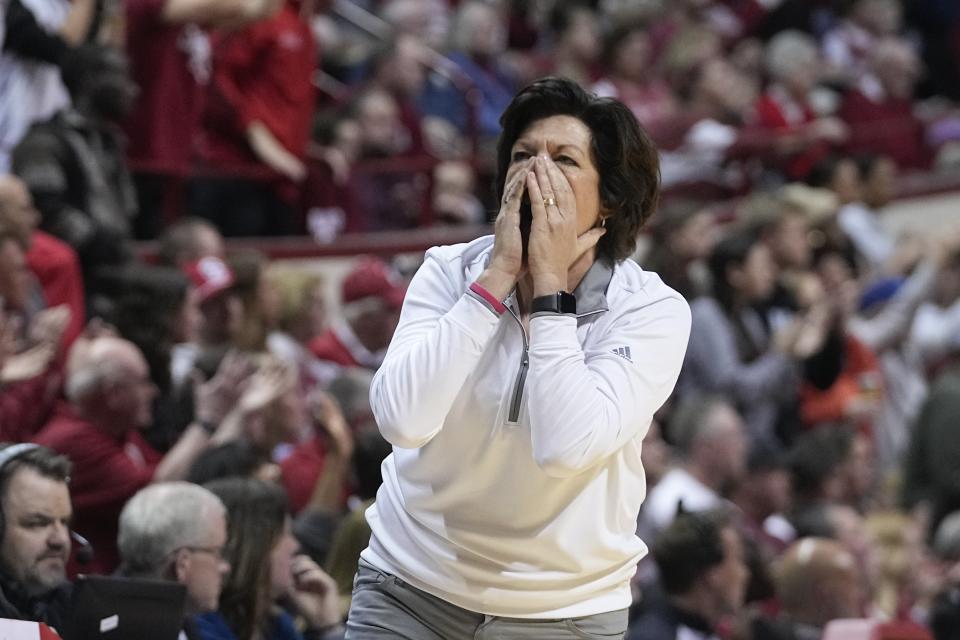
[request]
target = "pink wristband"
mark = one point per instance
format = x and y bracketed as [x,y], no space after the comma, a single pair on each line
[486,295]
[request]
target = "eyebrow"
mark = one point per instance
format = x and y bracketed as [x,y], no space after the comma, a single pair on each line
[524,143]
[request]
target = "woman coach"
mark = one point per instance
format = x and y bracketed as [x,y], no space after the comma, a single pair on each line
[522,377]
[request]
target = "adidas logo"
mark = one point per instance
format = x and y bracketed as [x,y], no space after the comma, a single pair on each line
[623,352]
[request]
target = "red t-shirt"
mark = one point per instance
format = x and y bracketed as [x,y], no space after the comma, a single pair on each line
[771,114]
[106,473]
[263,73]
[57,269]
[300,470]
[167,62]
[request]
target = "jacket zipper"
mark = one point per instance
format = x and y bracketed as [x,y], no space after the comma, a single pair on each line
[514,415]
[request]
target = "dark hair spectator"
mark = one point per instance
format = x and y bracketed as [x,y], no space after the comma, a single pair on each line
[261,551]
[230,460]
[703,574]
[74,166]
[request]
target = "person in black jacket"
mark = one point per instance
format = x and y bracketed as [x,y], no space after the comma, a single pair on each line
[36,514]
[74,163]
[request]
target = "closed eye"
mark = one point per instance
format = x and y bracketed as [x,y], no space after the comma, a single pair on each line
[567,160]
[520,156]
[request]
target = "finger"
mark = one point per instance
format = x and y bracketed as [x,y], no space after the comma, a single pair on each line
[536,197]
[589,239]
[543,182]
[510,211]
[558,182]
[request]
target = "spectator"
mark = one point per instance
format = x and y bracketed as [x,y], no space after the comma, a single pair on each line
[454,201]
[110,399]
[29,366]
[371,298]
[731,350]
[945,609]
[576,49]
[704,577]
[848,46]
[74,167]
[259,113]
[177,531]
[233,459]
[302,317]
[817,582]
[35,534]
[188,240]
[353,533]
[879,109]
[477,42]
[684,235]
[628,56]
[817,464]
[39,36]
[259,300]
[711,133]
[898,549]
[655,454]
[16,281]
[220,323]
[426,20]
[887,309]
[711,439]
[935,332]
[398,68]
[928,468]
[265,570]
[764,495]
[845,525]
[802,138]
[316,474]
[155,309]
[53,262]
[861,222]
[389,197]
[170,61]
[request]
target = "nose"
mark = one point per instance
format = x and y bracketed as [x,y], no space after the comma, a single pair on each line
[59,537]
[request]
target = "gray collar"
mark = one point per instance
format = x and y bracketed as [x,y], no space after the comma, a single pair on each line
[591,293]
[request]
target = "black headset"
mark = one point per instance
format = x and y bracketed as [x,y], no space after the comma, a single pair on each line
[84,550]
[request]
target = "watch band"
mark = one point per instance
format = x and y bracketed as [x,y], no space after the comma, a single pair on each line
[559,302]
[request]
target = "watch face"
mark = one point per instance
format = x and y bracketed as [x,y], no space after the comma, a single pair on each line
[566,302]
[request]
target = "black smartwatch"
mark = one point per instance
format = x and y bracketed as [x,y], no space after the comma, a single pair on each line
[559,302]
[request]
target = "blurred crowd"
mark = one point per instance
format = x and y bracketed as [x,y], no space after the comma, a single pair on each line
[805,469]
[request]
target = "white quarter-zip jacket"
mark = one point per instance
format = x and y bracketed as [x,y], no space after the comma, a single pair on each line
[515,479]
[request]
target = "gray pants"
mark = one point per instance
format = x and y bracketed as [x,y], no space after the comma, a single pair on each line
[386,607]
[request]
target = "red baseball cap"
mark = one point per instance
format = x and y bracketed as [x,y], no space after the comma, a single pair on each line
[211,276]
[372,277]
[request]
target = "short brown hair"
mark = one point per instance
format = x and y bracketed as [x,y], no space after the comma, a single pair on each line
[44,461]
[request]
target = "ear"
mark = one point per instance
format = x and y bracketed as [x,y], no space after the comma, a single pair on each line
[181,565]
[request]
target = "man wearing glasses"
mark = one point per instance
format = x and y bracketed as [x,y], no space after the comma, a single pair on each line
[176,531]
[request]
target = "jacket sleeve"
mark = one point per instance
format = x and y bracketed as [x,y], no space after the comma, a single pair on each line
[585,406]
[884,330]
[439,341]
[26,38]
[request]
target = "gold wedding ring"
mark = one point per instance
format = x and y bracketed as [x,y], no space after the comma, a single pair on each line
[549,202]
